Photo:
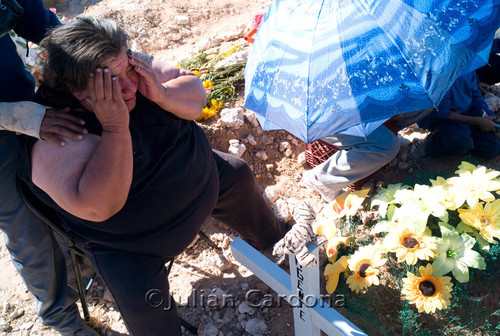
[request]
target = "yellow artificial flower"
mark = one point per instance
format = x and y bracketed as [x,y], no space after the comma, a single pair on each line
[465,167]
[328,229]
[380,248]
[364,263]
[206,113]
[333,244]
[231,51]
[486,220]
[468,167]
[208,84]
[427,292]
[472,186]
[449,198]
[409,244]
[348,203]
[216,104]
[440,181]
[325,228]
[385,198]
[196,72]
[332,273]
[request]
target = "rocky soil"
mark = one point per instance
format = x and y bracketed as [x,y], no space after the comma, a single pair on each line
[172,31]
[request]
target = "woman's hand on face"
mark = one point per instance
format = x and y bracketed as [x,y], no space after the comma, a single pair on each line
[58,124]
[149,85]
[107,101]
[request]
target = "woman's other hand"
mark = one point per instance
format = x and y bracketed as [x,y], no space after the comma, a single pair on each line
[107,101]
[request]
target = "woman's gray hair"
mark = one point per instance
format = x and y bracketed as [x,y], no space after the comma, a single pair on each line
[73,50]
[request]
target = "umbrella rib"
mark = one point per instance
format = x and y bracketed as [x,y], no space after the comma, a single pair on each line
[389,36]
[309,71]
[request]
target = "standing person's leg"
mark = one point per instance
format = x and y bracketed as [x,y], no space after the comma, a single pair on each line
[241,205]
[35,252]
[448,138]
[139,285]
[357,158]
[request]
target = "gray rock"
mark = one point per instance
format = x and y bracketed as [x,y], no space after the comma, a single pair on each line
[4,325]
[244,308]
[271,194]
[182,20]
[267,139]
[237,57]
[261,155]
[403,156]
[284,145]
[255,326]
[107,295]
[229,315]
[222,262]
[250,139]
[174,37]
[263,288]
[492,101]
[208,330]
[236,148]
[5,307]
[26,326]
[232,117]
[252,118]
[17,314]
[219,296]
[301,158]
[403,165]
[403,142]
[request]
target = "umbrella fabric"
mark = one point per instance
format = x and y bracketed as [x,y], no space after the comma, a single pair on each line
[319,67]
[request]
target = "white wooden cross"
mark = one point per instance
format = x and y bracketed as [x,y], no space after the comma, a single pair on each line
[300,288]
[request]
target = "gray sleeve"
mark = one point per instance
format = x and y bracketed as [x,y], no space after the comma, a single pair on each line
[23,117]
[146,57]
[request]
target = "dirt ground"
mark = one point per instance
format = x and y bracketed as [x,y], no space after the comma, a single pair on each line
[172,31]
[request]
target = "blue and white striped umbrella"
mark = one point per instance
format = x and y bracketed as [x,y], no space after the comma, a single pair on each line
[319,67]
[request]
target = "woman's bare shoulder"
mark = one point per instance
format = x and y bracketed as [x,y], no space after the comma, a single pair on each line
[53,165]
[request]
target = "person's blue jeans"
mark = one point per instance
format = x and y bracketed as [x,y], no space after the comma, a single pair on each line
[34,251]
[451,137]
[358,156]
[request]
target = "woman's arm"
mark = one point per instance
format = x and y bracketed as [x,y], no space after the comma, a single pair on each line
[174,89]
[90,178]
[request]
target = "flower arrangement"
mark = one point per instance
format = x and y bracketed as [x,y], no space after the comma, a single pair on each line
[28,52]
[437,233]
[220,82]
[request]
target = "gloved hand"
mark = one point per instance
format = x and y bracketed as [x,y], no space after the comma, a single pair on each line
[295,240]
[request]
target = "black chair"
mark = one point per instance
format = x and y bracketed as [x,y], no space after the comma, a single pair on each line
[49,216]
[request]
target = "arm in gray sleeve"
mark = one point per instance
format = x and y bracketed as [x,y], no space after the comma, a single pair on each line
[145,57]
[23,117]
